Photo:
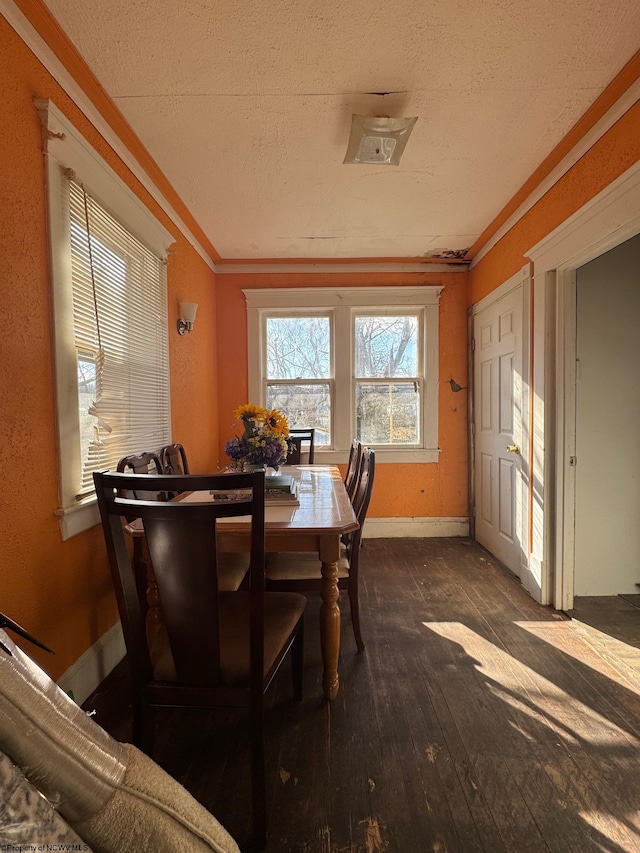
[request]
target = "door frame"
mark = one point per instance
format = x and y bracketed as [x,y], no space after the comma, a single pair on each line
[521,279]
[610,218]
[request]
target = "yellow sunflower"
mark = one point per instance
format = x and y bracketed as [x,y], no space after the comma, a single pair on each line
[250,412]
[277,422]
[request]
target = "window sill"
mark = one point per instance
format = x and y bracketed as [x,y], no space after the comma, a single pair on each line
[384,455]
[77,519]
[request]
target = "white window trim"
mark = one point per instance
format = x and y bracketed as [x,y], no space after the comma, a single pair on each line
[65,148]
[427,297]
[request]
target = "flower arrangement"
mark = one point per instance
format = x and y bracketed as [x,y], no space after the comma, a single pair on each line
[264,440]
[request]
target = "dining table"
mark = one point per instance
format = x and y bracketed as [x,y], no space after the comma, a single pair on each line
[324,515]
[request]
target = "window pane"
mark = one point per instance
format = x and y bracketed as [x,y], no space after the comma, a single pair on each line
[388,413]
[86,398]
[386,346]
[298,348]
[305,406]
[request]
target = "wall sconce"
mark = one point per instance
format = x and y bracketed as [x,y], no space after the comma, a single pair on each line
[187,317]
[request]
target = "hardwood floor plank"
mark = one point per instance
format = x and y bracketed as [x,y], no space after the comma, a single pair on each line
[475,721]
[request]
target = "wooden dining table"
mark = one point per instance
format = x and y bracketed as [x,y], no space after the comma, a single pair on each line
[317,525]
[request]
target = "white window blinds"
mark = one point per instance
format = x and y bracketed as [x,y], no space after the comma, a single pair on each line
[120,331]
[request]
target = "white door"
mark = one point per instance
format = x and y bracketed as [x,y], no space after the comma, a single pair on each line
[497,331]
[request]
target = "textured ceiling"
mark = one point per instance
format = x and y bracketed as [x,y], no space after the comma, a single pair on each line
[246,107]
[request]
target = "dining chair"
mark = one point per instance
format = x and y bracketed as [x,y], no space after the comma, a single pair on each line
[142,463]
[211,648]
[232,566]
[173,459]
[295,571]
[353,466]
[294,456]
[306,443]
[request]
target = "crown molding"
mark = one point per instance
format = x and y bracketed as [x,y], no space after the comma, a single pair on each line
[605,221]
[622,105]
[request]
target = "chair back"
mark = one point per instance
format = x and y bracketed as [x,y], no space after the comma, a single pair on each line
[362,496]
[173,459]
[142,463]
[306,443]
[353,466]
[294,456]
[147,463]
[182,540]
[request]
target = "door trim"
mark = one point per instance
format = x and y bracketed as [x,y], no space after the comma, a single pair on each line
[606,221]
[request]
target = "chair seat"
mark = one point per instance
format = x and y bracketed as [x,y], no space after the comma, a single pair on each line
[282,610]
[301,566]
[232,570]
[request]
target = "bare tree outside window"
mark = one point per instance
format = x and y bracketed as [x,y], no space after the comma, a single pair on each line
[386,348]
[387,379]
[298,348]
[298,360]
[86,397]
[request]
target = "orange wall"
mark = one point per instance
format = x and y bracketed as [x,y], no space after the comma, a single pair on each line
[612,155]
[61,591]
[401,491]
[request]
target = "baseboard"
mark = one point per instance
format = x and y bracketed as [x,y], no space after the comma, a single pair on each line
[92,667]
[394,528]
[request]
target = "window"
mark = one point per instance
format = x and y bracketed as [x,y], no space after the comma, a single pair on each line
[356,362]
[388,379]
[110,318]
[298,371]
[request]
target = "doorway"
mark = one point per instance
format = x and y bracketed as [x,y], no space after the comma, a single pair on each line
[607,221]
[607,468]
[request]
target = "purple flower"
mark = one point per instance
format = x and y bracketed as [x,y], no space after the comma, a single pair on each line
[238,448]
[258,449]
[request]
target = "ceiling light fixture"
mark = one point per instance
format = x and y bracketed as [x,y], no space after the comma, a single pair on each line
[378,140]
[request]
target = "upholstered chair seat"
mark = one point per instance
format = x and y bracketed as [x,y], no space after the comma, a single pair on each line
[282,612]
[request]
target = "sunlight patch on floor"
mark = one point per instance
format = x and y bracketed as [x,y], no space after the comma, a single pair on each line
[603,653]
[536,701]
[624,836]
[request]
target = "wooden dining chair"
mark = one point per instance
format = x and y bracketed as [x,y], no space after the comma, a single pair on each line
[294,455]
[305,442]
[142,463]
[210,648]
[232,567]
[353,466]
[173,459]
[302,571]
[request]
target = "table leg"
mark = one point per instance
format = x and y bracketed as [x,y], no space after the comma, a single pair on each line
[330,628]
[147,587]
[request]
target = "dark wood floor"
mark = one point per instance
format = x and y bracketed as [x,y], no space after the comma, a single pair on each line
[475,720]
